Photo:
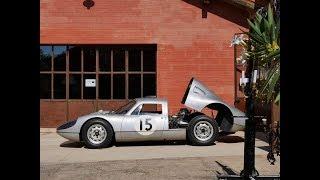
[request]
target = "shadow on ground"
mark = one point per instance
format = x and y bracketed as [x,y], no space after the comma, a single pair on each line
[265,148]
[225,137]
[71,144]
[262,136]
[228,138]
[227,170]
[151,143]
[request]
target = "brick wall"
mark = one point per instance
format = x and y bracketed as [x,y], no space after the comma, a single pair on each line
[188,45]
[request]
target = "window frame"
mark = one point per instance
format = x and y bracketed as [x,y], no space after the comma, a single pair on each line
[140,106]
[97,72]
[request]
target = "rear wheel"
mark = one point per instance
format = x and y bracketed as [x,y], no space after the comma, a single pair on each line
[97,133]
[202,130]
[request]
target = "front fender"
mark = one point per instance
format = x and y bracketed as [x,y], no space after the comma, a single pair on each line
[73,132]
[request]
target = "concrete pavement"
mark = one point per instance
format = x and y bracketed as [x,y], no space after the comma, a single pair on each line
[52,152]
[62,159]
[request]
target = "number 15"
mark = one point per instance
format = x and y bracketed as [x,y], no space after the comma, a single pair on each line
[146,123]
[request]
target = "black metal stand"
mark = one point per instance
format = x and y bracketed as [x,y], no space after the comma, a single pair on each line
[249,172]
[249,143]
[271,177]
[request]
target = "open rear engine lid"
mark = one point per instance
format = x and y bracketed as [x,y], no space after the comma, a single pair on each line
[197,96]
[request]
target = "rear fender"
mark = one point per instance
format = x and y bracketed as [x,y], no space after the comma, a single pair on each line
[198,96]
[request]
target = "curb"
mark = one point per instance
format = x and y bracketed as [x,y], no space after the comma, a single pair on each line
[47,130]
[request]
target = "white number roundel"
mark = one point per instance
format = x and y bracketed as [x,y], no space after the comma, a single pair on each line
[147,126]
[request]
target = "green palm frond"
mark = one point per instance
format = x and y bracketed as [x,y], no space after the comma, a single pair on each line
[264,38]
[270,15]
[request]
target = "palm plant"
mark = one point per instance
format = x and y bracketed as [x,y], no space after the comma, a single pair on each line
[263,46]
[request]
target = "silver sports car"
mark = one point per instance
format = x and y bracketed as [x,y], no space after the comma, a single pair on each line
[147,119]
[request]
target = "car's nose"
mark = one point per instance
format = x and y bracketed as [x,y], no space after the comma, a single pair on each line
[67,131]
[66,125]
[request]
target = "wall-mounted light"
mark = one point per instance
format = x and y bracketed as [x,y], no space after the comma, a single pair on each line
[243,79]
[204,11]
[88,3]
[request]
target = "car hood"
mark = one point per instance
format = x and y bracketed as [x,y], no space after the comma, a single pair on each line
[197,96]
[98,114]
[104,112]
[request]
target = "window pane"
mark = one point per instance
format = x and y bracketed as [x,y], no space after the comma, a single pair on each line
[75,86]
[134,86]
[149,60]
[59,85]
[118,86]
[149,85]
[45,86]
[75,58]
[59,54]
[105,59]
[118,60]
[104,86]
[89,92]
[135,60]
[89,59]
[45,58]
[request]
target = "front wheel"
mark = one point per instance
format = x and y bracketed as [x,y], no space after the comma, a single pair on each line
[202,130]
[97,133]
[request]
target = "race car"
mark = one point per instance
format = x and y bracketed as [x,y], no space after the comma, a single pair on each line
[147,119]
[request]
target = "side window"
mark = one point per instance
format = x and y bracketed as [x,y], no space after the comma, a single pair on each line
[151,109]
[137,110]
[148,109]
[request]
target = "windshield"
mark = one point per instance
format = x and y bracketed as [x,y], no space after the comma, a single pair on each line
[124,109]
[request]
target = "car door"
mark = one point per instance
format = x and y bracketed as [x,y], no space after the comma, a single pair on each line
[143,124]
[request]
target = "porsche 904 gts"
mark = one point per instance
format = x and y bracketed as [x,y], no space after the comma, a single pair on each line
[147,119]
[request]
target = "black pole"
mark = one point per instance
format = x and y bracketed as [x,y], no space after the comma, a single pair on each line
[250,130]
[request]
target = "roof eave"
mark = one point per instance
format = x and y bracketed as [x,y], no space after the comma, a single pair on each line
[246,4]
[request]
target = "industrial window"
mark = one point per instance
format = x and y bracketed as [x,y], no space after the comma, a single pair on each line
[104,86]
[119,60]
[59,54]
[59,86]
[119,85]
[89,59]
[97,72]
[75,86]
[104,60]
[134,88]
[45,58]
[74,58]
[45,86]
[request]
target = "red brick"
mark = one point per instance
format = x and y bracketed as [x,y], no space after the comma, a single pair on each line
[187,44]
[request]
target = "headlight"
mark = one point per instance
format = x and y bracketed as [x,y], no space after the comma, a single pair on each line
[67,125]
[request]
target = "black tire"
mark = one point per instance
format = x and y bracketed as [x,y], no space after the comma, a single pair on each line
[106,142]
[205,119]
